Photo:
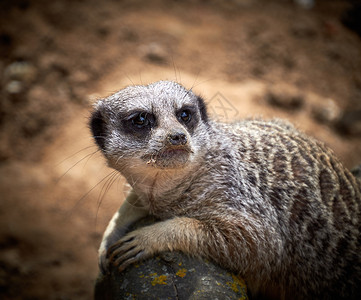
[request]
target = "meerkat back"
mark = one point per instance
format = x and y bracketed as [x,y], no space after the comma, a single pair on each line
[316,202]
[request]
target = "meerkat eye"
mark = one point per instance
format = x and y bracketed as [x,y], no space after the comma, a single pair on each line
[141,120]
[185,116]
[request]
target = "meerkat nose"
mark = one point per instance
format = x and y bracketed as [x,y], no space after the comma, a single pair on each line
[177,138]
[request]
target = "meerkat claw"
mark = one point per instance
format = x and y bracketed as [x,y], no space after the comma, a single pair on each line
[123,265]
[125,252]
[124,261]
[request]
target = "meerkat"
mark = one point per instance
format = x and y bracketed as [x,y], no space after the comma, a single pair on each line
[257,197]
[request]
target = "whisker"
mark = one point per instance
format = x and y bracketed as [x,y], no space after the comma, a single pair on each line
[118,159]
[65,159]
[175,70]
[88,192]
[195,80]
[129,79]
[140,78]
[204,81]
[78,162]
[108,184]
[86,162]
[104,187]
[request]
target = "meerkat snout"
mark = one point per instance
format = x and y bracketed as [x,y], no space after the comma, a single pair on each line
[173,152]
[177,139]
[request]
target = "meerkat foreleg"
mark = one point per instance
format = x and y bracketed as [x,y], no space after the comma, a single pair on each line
[203,238]
[128,213]
[181,233]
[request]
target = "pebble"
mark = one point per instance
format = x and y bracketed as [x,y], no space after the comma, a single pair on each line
[14,87]
[17,75]
[21,71]
[284,96]
[154,52]
[327,112]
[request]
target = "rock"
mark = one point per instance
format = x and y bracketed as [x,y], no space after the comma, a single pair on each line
[170,275]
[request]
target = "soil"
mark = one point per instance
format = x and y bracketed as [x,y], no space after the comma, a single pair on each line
[248,58]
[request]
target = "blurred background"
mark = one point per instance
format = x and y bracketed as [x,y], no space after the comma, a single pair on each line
[298,60]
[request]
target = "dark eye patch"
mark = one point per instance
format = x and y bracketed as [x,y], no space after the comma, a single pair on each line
[138,123]
[202,109]
[187,115]
[97,126]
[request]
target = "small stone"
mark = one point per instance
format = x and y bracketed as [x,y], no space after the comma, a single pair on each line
[327,112]
[14,87]
[285,96]
[155,53]
[21,71]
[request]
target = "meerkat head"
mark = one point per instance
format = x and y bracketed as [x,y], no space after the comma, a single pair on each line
[161,126]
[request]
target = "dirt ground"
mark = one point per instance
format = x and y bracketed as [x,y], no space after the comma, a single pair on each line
[246,57]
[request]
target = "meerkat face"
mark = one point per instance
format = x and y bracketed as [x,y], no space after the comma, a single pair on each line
[161,126]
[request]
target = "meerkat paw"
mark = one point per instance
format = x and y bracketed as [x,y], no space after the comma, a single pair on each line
[134,247]
[169,235]
[109,239]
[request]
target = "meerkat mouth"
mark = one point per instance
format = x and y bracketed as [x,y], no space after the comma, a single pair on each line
[170,153]
[172,157]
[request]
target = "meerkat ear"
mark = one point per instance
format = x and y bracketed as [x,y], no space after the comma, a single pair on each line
[97,126]
[202,109]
